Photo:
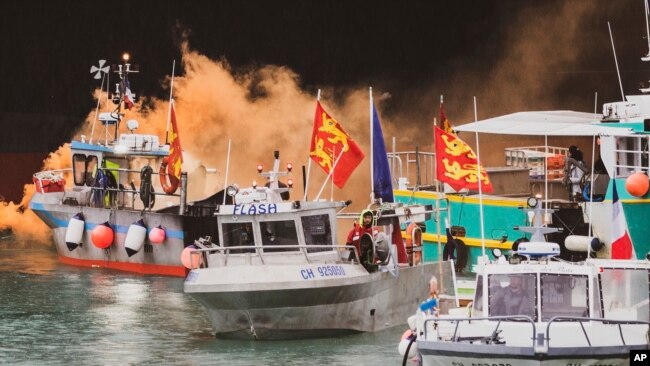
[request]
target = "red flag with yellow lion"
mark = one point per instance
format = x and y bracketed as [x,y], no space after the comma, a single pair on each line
[330,142]
[457,165]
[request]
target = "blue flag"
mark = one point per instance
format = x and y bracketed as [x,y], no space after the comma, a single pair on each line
[381,171]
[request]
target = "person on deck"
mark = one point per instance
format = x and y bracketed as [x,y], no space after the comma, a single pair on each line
[574,169]
[363,227]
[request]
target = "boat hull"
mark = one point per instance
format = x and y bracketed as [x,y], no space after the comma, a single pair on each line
[154,259]
[300,308]
[446,354]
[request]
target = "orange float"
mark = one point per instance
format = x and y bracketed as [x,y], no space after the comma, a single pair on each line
[637,184]
[413,239]
[102,235]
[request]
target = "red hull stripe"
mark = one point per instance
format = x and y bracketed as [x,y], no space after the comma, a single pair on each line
[151,269]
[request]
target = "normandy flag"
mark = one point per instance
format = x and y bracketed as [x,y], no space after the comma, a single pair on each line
[330,142]
[457,165]
[175,153]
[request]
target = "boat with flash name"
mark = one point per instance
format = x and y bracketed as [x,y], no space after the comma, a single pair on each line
[275,270]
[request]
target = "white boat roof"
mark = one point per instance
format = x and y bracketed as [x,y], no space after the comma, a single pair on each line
[545,123]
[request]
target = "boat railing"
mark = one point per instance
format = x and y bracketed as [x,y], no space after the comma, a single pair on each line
[631,155]
[582,320]
[122,201]
[201,257]
[493,338]
[416,166]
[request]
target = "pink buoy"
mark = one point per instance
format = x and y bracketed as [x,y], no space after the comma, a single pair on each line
[190,261]
[637,184]
[102,235]
[157,235]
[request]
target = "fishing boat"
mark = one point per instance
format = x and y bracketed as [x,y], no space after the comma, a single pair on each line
[275,270]
[617,140]
[531,308]
[123,203]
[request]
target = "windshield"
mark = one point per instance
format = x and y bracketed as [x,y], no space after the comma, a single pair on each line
[513,294]
[564,295]
[625,293]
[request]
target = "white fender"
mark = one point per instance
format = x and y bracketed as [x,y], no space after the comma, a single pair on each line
[75,231]
[135,237]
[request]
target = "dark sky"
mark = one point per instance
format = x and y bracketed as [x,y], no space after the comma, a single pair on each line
[409,48]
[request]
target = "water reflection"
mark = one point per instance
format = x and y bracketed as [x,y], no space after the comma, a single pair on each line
[58,315]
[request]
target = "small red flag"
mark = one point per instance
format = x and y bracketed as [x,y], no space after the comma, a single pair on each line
[328,142]
[457,165]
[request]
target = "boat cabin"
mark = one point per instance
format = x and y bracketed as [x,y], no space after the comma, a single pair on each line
[259,222]
[544,290]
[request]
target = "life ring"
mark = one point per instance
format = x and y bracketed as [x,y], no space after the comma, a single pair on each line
[457,250]
[163,172]
[413,239]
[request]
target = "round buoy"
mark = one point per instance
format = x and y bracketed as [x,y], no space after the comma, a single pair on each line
[637,184]
[157,235]
[102,235]
[190,261]
[404,344]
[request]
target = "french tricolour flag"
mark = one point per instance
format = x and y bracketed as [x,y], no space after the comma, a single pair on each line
[622,247]
[128,96]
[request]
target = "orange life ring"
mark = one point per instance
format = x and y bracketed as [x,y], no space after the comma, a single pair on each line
[163,172]
[413,239]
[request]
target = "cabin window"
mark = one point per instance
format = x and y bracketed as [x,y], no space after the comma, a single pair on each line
[317,231]
[564,295]
[477,306]
[625,293]
[79,169]
[84,169]
[91,170]
[513,294]
[239,234]
[275,233]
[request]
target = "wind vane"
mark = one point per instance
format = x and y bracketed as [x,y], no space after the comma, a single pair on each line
[99,69]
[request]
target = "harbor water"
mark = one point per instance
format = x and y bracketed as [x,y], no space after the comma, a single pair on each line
[53,314]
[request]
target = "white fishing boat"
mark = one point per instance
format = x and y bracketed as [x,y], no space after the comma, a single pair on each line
[530,308]
[275,270]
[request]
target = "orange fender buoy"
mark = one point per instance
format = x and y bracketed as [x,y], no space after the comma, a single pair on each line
[157,235]
[637,184]
[102,235]
[163,172]
[190,261]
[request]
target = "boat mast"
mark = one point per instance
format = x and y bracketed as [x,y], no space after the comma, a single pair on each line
[372,179]
[616,62]
[647,29]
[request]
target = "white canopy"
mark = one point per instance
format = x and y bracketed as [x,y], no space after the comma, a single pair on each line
[544,123]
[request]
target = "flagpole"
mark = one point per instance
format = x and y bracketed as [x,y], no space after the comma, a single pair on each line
[480,183]
[304,198]
[332,185]
[372,156]
[545,171]
[169,113]
[591,190]
[225,182]
[329,175]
